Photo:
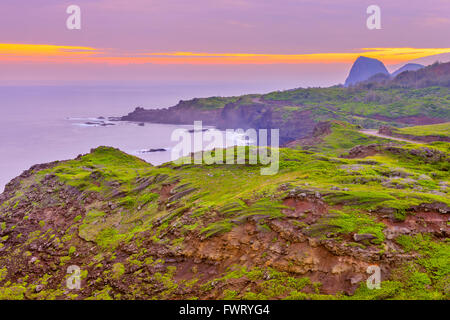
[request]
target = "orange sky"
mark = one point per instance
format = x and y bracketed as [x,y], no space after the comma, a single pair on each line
[310,42]
[39,53]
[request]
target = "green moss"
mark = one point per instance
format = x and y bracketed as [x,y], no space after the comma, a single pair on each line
[72,250]
[216,228]
[12,293]
[63,260]
[442,130]
[108,238]
[342,138]
[118,270]
[67,237]
[103,294]
[229,294]
[426,277]
[267,284]
[354,222]
[226,196]
[3,273]
[434,256]
[388,290]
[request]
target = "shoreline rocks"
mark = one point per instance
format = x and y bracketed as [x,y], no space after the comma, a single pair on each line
[153,150]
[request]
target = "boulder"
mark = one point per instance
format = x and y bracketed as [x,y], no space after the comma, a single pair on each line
[363,236]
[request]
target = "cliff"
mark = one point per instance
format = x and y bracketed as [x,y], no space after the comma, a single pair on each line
[242,114]
[377,101]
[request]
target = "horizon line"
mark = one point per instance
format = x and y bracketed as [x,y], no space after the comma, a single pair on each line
[60,54]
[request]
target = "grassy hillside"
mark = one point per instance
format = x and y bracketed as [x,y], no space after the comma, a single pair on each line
[412,98]
[139,231]
[442,130]
[339,138]
[387,104]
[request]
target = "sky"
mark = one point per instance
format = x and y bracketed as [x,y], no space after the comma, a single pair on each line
[304,42]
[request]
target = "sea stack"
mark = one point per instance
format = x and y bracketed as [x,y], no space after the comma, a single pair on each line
[363,69]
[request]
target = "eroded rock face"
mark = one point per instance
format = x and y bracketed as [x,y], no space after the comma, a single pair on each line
[255,115]
[183,113]
[363,151]
[322,129]
[386,130]
[205,258]
[139,234]
[364,236]
[426,154]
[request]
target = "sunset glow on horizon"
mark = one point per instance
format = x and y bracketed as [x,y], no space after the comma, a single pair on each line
[37,53]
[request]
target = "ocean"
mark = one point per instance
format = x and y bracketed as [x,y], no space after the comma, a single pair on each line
[39,124]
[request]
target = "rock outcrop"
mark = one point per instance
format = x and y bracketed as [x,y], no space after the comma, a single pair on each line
[364,68]
[234,115]
[407,67]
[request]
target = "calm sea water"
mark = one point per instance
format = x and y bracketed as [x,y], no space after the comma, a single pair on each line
[40,124]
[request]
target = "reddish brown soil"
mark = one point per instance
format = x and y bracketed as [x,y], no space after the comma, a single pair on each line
[421,222]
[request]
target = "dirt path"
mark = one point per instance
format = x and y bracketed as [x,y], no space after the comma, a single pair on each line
[376,134]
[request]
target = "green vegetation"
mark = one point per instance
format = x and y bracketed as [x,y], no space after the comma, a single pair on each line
[218,231]
[343,137]
[264,284]
[359,105]
[121,219]
[353,222]
[425,278]
[213,102]
[442,130]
